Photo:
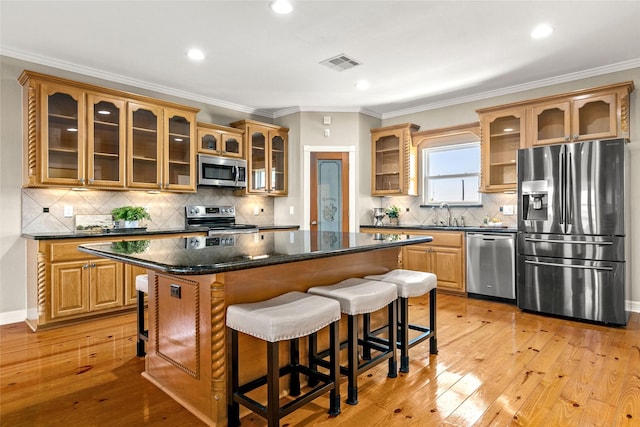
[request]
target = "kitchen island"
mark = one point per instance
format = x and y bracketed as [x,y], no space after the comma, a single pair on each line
[192,280]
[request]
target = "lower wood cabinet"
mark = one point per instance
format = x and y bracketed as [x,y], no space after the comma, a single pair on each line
[80,287]
[444,256]
[65,285]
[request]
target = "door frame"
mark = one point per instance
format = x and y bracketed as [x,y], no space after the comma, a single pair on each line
[306,176]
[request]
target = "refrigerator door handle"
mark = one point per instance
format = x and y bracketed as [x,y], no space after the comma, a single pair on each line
[568,242]
[583,267]
[569,193]
[563,193]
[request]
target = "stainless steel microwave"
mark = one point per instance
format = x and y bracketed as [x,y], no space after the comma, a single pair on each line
[222,171]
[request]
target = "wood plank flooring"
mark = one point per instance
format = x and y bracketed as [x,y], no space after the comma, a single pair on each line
[496,366]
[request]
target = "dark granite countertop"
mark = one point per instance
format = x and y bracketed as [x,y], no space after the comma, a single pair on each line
[217,254]
[474,229]
[122,232]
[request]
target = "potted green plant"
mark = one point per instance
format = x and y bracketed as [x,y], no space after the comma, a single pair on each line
[393,212]
[129,216]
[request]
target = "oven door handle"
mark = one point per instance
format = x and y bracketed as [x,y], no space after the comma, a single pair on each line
[583,267]
[567,242]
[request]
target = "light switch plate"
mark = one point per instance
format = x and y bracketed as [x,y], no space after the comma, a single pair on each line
[507,210]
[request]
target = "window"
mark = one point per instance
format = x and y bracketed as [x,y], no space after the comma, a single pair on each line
[451,174]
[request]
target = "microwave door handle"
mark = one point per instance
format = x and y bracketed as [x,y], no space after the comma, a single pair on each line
[235,174]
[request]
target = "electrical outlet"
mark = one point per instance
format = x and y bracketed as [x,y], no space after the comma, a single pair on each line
[256,210]
[68,211]
[291,210]
[507,209]
[176,291]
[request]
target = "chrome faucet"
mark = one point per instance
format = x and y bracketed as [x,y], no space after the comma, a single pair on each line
[443,205]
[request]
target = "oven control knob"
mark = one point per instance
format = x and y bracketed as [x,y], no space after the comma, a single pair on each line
[194,211]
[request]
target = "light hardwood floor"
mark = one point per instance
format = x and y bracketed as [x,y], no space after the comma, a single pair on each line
[496,366]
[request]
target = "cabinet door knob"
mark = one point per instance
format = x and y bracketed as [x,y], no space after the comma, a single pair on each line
[576,137]
[86,265]
[93,265]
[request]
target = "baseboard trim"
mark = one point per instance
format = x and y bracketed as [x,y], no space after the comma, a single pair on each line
[13,317]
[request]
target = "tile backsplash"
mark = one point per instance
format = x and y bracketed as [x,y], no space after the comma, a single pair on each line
[474,216]
[166,209]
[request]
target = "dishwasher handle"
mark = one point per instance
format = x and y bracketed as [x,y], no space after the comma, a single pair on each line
[490,237]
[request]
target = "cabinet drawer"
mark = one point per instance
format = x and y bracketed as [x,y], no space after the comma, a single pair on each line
[67,251]
[452,239]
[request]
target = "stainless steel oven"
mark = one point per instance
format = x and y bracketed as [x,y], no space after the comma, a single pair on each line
[216,219]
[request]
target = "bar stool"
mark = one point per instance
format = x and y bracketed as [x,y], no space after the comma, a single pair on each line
[360,296]
[142,287]
[412,283]
[285,317]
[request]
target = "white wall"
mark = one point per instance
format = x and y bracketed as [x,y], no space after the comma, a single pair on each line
[305,129]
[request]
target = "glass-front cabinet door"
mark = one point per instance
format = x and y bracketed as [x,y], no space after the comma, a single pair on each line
[145,146]
[502,135]
[551,123]
[179,166]
[394,169]
[594,118]
[219,140]
[106,136]
[258,160]
[63,135]
[278,163]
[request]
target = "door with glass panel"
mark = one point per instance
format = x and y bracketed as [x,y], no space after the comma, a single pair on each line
[329,198]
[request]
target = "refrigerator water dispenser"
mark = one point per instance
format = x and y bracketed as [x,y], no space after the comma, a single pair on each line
[535,200]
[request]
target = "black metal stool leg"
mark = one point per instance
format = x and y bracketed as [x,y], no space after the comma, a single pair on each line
[273,385]
[433,341]
[294,360]
[393,338]
[334,370]
[233,408]
[366,333]
[140,351]
[352,355]
[404,334]
[313,356]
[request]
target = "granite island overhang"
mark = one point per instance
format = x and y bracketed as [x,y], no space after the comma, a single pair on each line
[192,281]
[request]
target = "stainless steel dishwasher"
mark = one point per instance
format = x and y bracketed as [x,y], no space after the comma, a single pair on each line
[491,265]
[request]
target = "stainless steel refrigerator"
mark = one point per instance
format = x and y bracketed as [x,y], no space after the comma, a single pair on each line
[572,216]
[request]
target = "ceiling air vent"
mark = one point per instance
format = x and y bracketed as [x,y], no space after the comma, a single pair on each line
[340,63]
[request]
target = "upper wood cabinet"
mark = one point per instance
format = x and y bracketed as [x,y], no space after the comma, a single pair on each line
[220,140]
[587,114]
[602,113]
[503,133]
[80,135]
[266,148]
[393,161]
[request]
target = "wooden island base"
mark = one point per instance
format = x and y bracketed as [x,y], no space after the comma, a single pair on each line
[186,354]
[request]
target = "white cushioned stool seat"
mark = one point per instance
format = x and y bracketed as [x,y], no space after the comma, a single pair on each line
[410,283]
[359,296]
[280,318]
[290,316]
[142,283]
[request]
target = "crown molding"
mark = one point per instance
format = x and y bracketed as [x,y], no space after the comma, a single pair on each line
[565,78]
[117,78]
[306,109]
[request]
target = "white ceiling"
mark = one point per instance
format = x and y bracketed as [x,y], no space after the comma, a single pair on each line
[415,54]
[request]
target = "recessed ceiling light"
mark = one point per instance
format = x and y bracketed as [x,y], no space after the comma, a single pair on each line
[362,85]
[195,54]
[281,7]
[541,31]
